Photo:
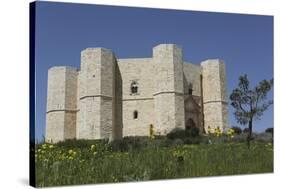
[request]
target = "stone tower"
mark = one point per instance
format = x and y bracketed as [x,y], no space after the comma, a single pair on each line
[96,94]
[61,104]
[214,94]
[168,87]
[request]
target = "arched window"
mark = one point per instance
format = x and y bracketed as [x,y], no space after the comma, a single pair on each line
[135,114]
[134,87]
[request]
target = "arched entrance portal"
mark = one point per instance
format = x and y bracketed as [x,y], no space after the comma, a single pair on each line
[190,124]
[192,112]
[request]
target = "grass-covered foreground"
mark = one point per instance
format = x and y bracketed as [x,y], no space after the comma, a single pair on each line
[84,162]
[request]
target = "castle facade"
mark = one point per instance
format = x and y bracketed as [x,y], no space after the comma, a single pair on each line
[112,98]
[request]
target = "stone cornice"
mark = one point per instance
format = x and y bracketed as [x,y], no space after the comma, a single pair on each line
[105,96]
[168,92]
[215,101]
[62,110]
[133,99]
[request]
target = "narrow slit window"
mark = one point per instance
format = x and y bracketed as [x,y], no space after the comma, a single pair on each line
[190,90]
[135,115]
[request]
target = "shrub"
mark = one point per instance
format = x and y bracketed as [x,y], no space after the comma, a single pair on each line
[269,130]
[176,133]
[237,130]
[181,133]
[192,131]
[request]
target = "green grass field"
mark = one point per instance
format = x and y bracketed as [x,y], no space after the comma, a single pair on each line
[99,162]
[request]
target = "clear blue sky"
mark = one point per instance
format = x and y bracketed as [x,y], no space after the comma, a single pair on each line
[244,42]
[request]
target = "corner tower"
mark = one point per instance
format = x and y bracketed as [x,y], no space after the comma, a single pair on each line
[214,94]
[168,87]
[61,104]
[96,94]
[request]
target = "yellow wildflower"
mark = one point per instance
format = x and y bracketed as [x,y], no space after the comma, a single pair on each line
[151,131]
[44,146]
[209,130]
[230,133]
[218,132]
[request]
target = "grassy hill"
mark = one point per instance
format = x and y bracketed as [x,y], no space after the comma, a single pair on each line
[142,158]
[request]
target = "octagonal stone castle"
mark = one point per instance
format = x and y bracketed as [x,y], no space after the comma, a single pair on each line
[109,98]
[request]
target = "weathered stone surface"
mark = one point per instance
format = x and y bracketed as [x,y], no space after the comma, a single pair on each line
[192,74]
[214,94]
[97,94]
[168,87]
[61,104]
[142,72]
[100,100]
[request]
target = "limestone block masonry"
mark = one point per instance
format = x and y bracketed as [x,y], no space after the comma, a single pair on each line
[214,94]
[61,104]
[110,98]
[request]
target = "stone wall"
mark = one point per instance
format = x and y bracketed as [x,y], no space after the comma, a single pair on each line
[141,71]
[192,74]
[88,125]
[61,104]
[140,125]
[55,126]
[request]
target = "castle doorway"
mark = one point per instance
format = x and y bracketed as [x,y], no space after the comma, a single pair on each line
[190,124]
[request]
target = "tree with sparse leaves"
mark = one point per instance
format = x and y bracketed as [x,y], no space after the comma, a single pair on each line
[250,103]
